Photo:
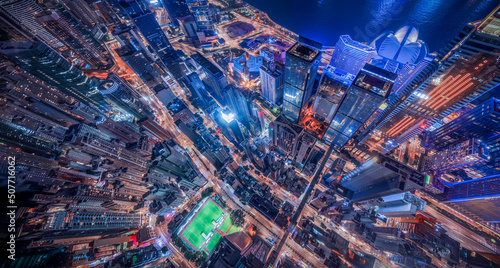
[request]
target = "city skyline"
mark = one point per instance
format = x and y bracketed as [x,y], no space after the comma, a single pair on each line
[201,133]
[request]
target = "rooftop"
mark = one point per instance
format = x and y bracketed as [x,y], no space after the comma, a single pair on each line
[207,65]
[304,52]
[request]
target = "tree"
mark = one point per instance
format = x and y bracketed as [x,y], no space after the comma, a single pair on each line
[164,249]
[160,219]
[237,217]
[207,192]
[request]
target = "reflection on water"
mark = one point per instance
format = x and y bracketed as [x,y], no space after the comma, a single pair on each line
[324,20]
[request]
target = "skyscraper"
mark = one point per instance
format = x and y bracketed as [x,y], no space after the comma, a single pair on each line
[368,91]
[301,66]
[481,122]
[146,22]
[45,63]
[22,11]
[75,37]
[468,67]
[213,76]
[206,15]
[407,56]
[379,176]
[332,87]
[350,55]
[473,136]
[123,98]
[477,197]
[272,80]
[464,154]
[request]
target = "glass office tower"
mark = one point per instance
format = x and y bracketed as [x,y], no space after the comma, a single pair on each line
[301,66]
[369,90]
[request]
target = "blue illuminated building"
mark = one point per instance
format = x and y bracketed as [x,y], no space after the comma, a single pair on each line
[301,66]
[350,55]
[333,85]
[212,75]
[369,90]
[49,66]
[479,197]
[481,123]
[404,54]
[377,177]
[146,22]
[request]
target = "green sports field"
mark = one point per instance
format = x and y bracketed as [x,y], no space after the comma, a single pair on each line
[202,223]
[213,242]
[226,224]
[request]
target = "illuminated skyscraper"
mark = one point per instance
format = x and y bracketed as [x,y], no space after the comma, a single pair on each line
[301,66]
[468,69]
[407,56]
[83,11]
[472,139]
[369,90]
[146,22]
[212,75]
[124,99]
[377,177]
[46,64]
[176,9]
[73,35]
[206,15]
[481,122]
[272,80]
[22,11]
[350,55]
[332,87]
[479,197]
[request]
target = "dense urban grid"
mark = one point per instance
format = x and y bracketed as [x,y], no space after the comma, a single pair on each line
[199,133]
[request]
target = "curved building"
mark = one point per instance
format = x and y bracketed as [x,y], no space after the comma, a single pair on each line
[403,46]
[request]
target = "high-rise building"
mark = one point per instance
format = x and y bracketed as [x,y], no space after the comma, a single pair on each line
[205,14]
[332,87]
[377,177]
[146,22]
[138,62]
[468,67]
[123,98]
[301,66]
[369,90]
[271,80]
[73,35]
[294,141]
[350,55]
[22,11]
[45,63]
[477,197]
[470,143]
[212,75]
[188,26]
[83,12]
[460,155]
[154,129]
[407,56]
[93,221]
[193,82]
[481,122]
[176,9]
[237,103]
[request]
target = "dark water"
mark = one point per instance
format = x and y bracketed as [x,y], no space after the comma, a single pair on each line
[438,20]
